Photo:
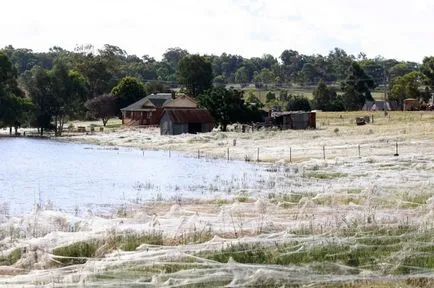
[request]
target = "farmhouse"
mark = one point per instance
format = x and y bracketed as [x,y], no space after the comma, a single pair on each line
[294,120]
[148,110]
[178,121]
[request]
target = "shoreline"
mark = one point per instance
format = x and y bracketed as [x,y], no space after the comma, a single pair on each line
[336,136]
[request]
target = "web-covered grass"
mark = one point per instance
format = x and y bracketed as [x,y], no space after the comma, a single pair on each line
[346,222]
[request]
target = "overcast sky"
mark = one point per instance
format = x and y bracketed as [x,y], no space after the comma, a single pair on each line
[392,28]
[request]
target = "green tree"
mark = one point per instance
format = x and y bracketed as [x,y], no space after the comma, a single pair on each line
[252,99]
[292,64]
[69,93]
[298,103]
[406,86]
[129,90]
[195,72]
[219,81]
[227,107]
[270,97]
[325,98]
[375,70]
[266,76]
[309,74]
[356,88]
[22,59]
[40,89]
[168,65]
[241,75]
[14,110]
[13,104]
[402,69]
[172,56]
[98,75]
[57,95]
[103,107]
[340,61]
[427,69]
[155,87]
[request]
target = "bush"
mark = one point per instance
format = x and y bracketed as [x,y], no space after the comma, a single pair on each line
[298,103]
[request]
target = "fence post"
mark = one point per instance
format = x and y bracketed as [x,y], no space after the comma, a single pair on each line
[396,149]
[290,155]
[228,153]
[358,148]
[323,152]
[257,155]
[198,153]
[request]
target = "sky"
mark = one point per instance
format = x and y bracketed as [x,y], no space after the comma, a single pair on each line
[398,29]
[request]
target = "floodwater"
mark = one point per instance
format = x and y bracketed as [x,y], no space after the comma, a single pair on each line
[77,177]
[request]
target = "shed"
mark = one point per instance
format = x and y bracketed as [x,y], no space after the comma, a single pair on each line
[411,104]
[179,121]
[294,120]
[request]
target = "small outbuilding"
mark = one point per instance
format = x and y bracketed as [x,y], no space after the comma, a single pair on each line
[411,104]
[294,120]
[179,121]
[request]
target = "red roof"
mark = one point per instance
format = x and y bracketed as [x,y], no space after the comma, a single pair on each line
[190,116]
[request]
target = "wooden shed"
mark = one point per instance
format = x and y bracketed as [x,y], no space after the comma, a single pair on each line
[411,104]
[294,120]
[179,121]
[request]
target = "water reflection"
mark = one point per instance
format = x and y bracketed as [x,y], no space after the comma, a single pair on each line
[76,176]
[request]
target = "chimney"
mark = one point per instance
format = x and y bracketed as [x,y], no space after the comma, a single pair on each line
[173,94]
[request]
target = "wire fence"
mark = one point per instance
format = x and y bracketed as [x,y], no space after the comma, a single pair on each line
[297,153]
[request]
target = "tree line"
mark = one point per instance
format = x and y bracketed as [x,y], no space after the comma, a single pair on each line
[45,89]
[106,66]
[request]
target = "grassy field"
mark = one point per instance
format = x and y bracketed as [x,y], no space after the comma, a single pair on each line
[261,94]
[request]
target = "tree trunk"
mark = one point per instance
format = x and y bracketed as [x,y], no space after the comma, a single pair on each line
[61,124]
[16,130]
[104,121]
[42,131]
[55,125]
[10,130]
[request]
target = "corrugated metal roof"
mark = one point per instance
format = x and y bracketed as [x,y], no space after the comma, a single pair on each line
[183,116]
[279,114]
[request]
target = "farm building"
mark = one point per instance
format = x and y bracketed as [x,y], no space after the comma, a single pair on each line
[411,104]
[179,121]
[294,120]
[148,110]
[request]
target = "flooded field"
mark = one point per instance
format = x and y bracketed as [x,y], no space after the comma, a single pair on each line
[94,216]
[76,177]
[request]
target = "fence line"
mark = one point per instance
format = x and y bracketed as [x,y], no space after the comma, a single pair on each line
[291,153]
